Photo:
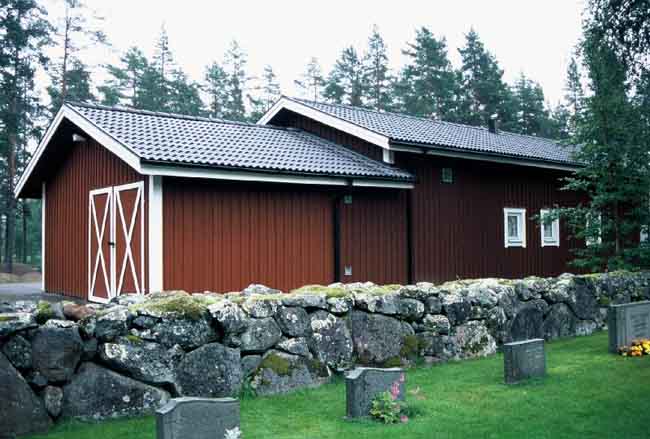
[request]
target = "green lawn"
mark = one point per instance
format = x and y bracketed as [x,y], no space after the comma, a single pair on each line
[588,394]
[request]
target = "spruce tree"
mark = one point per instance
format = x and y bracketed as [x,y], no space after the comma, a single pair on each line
[215,86]
[236,82]
[184,95]
[78,86]
[532,115]
[124,83]
[428,85]
[345,83]
[311,82]
[376,74]
[484,91]
[266,94]
[574,94]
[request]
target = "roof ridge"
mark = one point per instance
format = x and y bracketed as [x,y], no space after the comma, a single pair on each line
[420,118]
[171,115]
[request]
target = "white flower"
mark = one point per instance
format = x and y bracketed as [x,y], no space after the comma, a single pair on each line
[233,433]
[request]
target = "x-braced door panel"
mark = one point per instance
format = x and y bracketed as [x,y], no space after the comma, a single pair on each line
[100,261]
[116,242]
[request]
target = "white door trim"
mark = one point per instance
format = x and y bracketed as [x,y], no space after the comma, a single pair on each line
[99,233]
[43,211]
[155,233]
[127,229]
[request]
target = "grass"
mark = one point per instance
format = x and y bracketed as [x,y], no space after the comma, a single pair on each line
[588,393]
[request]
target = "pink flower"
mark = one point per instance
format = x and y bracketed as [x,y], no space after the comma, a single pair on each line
[394,390]
[401,378]
[404,419]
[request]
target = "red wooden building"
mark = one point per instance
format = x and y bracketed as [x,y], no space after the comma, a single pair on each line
[136,201]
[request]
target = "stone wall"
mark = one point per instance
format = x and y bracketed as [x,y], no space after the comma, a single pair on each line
[128,357]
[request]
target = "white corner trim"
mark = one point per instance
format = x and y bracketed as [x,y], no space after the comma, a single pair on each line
[521,215]
[92,130]
[327,119]
[555,224]
[383,184]
[155,204]
[43,213]
[388,156]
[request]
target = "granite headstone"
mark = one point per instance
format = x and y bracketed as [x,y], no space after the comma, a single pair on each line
[628,322]
[524,359]
[198,418]
[364,384]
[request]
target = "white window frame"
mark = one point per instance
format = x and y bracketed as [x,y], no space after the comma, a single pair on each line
[554,240]
[520,241]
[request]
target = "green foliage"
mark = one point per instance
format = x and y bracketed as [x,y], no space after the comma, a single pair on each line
[411,347]
[388,410]
[376,74]
[393,362]
[44,312]
[311,82]
[320,289]
[181,305]
[345,83]
[133,339]
[267,93]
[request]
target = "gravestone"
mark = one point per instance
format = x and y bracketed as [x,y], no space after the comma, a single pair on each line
[364,384]
[524,359]
[198,418]
[628,322]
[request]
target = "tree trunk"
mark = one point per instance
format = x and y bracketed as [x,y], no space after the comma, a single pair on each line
[25,237]
[66,49]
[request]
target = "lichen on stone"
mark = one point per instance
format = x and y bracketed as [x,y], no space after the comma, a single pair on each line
[44,312]
[185,306]
[329,291]
[281,366]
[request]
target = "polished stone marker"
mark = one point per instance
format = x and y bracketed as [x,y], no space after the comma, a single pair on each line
[198,418]
[524,359]
[628,322]
[364,384]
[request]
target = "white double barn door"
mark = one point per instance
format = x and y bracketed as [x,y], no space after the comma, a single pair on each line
[116,241]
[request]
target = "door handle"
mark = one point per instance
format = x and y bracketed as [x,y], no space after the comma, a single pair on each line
[111,243]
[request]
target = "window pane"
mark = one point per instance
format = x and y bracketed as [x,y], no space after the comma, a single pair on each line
[548,230]
[513,226]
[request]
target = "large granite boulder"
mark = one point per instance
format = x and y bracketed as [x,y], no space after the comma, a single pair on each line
[472,339]
[111,323]
[305,300]
[295,346]
[330,340]
[260,335]
[18,351]
[531,288]
[249,364]
[527,323]
[145,361]
[229,316]
[293,321]
[188,333]
[583,300]
[456,307]
[560,322]
[377,303]
[340,305]
[410,309]
[437,324]
[56,350]
[21,411]
[261,307]
[98,393]
[280,372]
[211,371]
[483,293]
[14,322]
[378,338]
[76,312]
[260,290]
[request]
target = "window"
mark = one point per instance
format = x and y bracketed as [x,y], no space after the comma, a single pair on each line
[447,175]
[514,223]
[550,229]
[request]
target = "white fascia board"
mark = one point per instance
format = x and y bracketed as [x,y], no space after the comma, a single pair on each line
[482,157]
[326,119]
[108,142]
[218,174]
[382,184]
[43,216]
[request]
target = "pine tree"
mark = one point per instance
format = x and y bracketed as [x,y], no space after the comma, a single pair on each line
[124,85]
[24,35]
[376,74]
[78,30]
[484,91]
[311,82]
[184,96]
[267,93]
[344,83]
[428,85]
[216,87]
[236,82]
[163,63]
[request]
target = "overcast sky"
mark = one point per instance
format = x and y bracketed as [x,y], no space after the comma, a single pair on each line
[531,36]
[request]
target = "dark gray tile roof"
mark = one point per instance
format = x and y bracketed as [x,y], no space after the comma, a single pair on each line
[401,128]
[170,138]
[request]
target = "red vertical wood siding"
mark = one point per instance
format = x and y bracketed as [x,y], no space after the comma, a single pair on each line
[373,236]
[222,236]
[458,231]
[295,120]
[86,166]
